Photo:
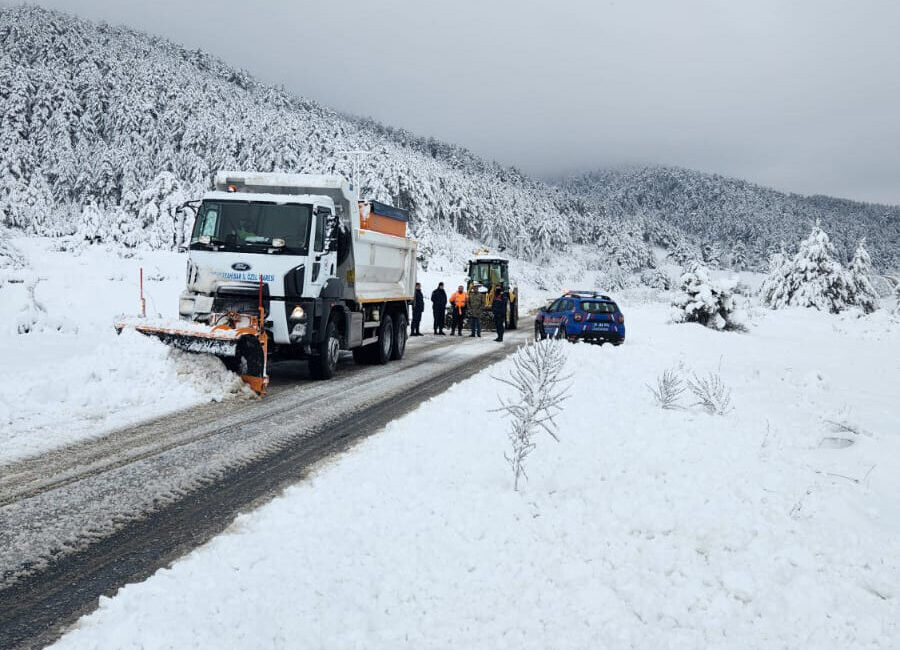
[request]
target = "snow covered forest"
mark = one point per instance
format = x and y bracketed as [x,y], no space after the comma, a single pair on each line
[713,211]
[104,131]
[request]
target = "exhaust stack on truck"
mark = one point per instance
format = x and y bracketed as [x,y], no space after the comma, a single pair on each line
[292,266]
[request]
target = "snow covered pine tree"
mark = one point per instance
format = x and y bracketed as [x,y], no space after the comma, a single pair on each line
[863,294]
[813,278]
[705,302]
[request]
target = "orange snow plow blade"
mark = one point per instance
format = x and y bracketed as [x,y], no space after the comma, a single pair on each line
[237,339]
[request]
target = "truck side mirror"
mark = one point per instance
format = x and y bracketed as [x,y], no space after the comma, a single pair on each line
[332,230]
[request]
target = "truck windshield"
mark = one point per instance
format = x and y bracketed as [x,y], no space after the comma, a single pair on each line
[251,226]
[489,273]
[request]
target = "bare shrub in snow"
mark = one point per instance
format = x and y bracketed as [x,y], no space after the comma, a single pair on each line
[711,393]
[537,376]
[711,304]
[34,316]
[669,389]
[741,288]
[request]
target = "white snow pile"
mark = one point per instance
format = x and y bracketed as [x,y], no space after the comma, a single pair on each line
[814,278]
[108,381]
[773,525]
[69,376]
[710,303]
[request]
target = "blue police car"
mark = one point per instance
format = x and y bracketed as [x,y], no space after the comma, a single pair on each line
[581,316]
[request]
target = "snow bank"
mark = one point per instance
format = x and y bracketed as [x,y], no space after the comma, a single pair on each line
[100,383]
[642,527]
[69,376]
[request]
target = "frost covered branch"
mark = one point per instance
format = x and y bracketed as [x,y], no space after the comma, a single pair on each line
[669,388]
[537,376]
[711,393]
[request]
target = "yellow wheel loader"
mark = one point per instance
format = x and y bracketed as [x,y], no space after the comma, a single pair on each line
[486,276]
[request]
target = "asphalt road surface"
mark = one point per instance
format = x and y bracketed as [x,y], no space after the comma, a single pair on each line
[82,521]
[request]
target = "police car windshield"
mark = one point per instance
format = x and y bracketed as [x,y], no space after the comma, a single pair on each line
[251,226]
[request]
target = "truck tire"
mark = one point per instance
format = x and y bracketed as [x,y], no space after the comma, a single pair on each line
[539,334]
[379,352]
[513,315]
[398,346]
[384,348]
[324,364]
[249,357]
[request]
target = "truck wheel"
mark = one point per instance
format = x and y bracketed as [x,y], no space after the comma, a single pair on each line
[384,349]
[324,365]
[539,334]
[248,359]
[399,342]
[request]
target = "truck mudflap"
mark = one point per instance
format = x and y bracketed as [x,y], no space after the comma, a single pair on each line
[238,339]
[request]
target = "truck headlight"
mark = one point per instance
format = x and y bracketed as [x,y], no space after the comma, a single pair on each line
[186,306]
[298,315]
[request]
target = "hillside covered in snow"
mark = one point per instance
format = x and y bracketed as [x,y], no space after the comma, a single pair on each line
[100,125]
[713,210]
[105,131]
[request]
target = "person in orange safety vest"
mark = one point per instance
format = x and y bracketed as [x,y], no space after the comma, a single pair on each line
[458,300]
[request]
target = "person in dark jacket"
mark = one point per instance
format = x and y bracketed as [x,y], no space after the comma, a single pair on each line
[498,309]
[438,307]
[418,308]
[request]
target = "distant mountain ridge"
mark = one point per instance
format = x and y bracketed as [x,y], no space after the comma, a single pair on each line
[715,208]
[104,130]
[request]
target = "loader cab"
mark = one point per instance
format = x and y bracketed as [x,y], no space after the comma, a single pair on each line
[489,272]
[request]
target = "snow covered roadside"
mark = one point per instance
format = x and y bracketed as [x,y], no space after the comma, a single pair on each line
[71,376]
[767,527]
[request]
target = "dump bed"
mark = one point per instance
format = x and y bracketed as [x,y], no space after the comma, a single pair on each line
[380,264]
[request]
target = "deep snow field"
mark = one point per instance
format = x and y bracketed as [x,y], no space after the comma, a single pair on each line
[72,376]
[771,526]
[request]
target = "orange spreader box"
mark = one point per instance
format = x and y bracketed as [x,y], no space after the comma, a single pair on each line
[383,218]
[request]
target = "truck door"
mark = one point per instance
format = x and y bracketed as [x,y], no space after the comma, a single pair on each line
[323,261]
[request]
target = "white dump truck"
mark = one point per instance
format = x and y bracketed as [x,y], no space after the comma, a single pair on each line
[293,266]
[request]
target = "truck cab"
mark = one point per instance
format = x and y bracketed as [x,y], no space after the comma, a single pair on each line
[329,271]
[289,243]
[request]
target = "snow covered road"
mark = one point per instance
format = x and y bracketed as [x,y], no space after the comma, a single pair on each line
[73,514]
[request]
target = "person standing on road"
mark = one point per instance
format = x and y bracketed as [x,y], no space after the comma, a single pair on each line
[458,300]
[475,324]
[438,307]
[498,308]
[418,308]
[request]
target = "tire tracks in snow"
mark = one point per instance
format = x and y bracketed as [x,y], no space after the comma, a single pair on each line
[68,536]
[58,468]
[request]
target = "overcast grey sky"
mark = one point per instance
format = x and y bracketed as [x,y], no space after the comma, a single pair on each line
[800,95]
